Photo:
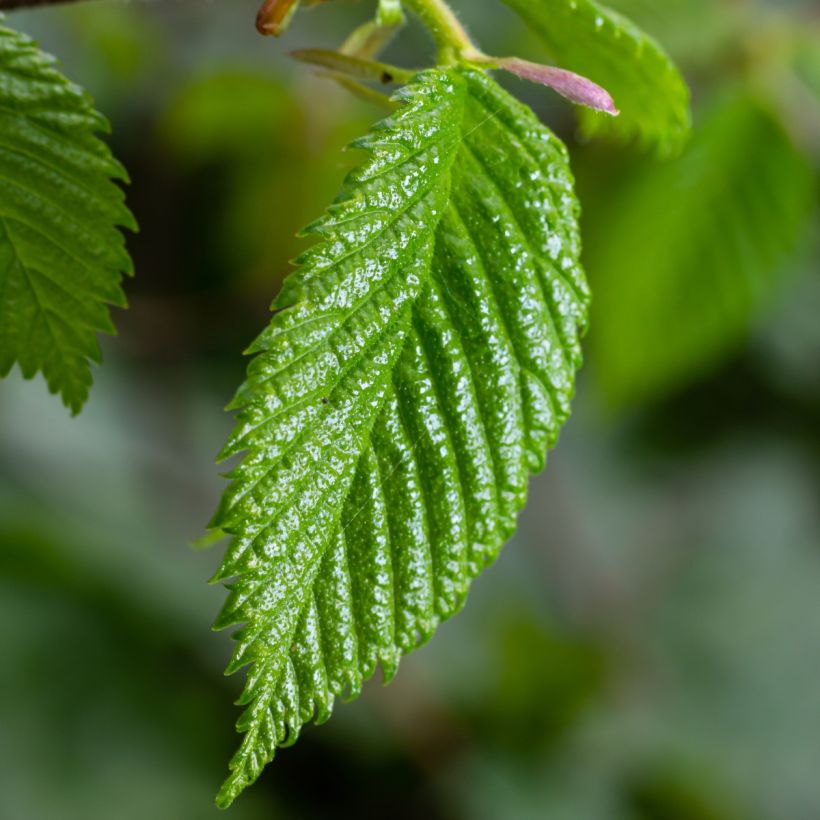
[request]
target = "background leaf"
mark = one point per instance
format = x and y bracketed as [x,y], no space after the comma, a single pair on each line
[61,255]
[390,457]
[598,43]
[692,248]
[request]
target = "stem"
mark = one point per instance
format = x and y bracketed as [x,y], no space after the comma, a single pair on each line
[451,38]
[390,13]
[10,5]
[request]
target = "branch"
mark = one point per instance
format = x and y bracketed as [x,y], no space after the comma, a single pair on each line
[10,5]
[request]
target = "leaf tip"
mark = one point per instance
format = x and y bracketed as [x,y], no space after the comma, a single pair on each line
[211,537]
[225,797]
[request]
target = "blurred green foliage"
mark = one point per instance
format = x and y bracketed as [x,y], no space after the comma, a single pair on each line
[647,647]
[695,248]
[688,257]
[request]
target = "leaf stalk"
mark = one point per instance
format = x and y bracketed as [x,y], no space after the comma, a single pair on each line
[450,36]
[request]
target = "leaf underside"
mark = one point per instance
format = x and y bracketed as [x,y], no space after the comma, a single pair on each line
[61,255]
[417,368]
[596,42]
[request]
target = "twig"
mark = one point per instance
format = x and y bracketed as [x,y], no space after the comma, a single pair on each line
[11,5]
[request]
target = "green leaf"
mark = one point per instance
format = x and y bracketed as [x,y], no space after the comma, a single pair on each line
[600,44]
[807,65]
[693,249]
[61,255]
[417,368]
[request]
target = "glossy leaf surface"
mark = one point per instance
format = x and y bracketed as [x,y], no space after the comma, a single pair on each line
[420,364]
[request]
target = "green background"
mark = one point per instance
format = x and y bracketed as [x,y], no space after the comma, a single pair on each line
[647,647]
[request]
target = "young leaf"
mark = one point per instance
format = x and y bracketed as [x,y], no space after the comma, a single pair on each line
[600,44]
[418,367]
[693,249]
[61,255]
[571,86]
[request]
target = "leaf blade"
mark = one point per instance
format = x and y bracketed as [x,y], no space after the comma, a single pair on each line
[473,398]
[63,256]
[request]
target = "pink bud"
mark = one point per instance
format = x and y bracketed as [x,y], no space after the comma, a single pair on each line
[574,87]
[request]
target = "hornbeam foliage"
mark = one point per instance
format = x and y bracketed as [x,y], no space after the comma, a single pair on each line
[61,255]
[417,368]
[679,287]
[595,41]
